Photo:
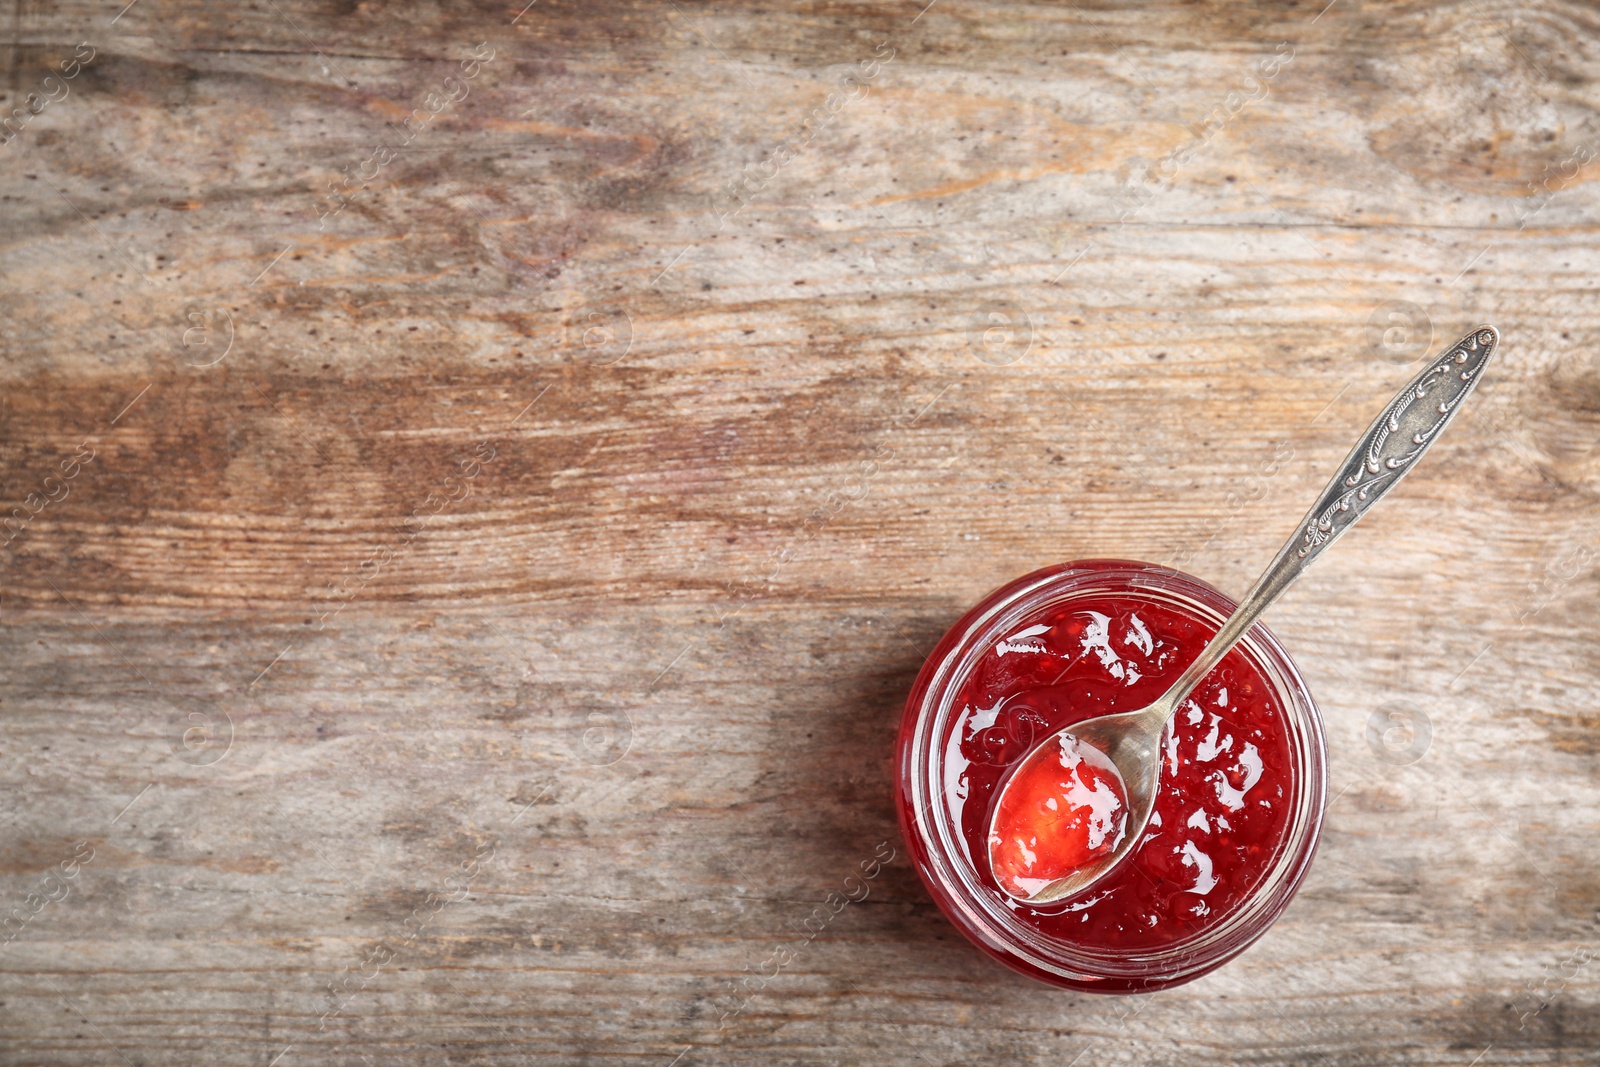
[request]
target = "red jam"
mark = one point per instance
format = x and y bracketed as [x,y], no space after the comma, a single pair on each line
[1225,794]
[1061,811]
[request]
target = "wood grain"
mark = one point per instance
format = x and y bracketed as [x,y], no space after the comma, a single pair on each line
[494,654]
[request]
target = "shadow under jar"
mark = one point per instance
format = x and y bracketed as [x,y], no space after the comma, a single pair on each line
[1243,775]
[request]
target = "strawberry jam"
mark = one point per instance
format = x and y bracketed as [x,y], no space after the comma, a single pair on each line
[1225,789]
[1238,807]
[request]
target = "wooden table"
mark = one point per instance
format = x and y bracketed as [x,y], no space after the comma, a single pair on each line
[483,480]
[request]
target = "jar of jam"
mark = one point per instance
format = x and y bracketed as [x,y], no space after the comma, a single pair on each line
[1243,776]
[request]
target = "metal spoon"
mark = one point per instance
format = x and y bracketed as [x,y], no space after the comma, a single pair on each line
[1386,452]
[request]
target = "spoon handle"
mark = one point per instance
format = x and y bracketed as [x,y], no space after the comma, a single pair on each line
[1384,455]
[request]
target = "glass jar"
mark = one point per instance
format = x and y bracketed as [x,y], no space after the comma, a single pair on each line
[933,784]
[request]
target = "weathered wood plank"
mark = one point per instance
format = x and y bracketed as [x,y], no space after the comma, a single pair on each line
[728,450]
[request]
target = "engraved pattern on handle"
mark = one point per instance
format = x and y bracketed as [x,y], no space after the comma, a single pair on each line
[1391,445]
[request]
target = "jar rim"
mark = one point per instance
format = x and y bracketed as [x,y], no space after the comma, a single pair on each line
[937,845]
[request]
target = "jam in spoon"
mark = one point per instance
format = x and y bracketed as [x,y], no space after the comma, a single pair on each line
[1080,801]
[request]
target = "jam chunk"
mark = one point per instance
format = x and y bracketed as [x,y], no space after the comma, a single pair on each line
[1065,808]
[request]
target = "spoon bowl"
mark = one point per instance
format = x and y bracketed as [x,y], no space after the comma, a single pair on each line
[1383,456]
[1132,741]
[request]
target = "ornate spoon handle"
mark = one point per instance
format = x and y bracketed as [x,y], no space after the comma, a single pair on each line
[1386,452]
[1392,445]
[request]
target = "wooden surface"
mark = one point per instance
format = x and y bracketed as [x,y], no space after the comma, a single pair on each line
[348,744]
